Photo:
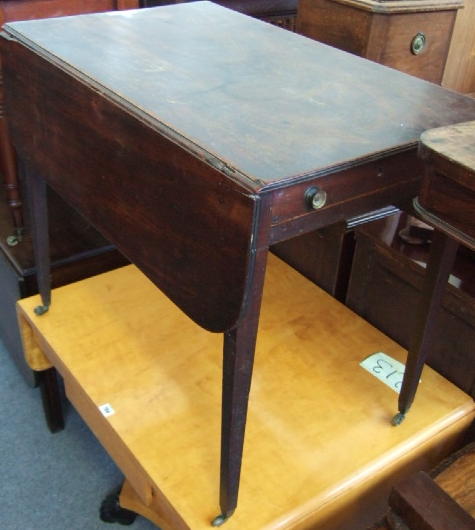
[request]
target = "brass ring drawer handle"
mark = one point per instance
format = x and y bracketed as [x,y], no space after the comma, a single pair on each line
[315,197]
[418,43]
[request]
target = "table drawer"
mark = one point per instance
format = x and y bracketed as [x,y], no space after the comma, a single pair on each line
[373,184]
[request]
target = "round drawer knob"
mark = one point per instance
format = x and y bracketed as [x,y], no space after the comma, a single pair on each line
[315,198]
[418,43]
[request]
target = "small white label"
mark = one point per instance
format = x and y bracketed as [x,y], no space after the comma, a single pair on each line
[386,369]
[107,410]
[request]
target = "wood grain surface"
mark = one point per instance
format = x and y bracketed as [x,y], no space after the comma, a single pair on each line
[320,449]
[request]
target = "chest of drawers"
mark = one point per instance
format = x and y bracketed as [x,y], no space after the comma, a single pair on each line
[410,36]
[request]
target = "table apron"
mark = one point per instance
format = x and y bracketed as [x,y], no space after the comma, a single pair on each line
[388,181]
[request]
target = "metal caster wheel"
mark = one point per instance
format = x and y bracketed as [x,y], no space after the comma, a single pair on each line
[398,419]
[219,520]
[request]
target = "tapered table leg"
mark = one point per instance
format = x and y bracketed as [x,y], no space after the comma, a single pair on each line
[441,258]
[238,360]
[38,208]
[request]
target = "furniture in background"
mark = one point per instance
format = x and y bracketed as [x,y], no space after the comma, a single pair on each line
[220,171]
[382,270]
[325,256]
[445,201]
[384,32]
[78,250]
[459,72]
[385,286]
[282,13]
[11,10]
[408,35]
[439,499]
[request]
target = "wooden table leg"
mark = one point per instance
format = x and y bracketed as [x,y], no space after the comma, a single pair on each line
[441,258]
[238,361]
[39,227]
[111,510]
[9,170]
[51,398]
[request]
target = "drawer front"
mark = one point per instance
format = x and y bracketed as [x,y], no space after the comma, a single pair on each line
[344,194]
[451,204]
[415,43]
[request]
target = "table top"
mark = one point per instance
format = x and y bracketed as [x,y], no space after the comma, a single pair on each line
[456,144]
[268,103]
[447,194]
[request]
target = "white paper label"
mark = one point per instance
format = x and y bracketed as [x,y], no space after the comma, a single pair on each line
[107,410]
[386,369]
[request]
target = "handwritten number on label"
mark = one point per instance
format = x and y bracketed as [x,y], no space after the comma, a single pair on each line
[386,369]
[379,368]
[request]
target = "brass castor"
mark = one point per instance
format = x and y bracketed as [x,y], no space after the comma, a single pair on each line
[398,419]
[219,520]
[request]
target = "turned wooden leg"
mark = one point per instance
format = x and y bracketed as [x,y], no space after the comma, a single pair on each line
[9,170]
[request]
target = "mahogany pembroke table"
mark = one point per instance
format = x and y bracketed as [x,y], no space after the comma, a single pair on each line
[194,137]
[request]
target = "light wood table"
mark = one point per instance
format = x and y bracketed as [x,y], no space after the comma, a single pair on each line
[320,451]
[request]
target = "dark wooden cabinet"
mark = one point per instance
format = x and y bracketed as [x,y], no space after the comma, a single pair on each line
[401,34]
[325,256]
[282,13]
